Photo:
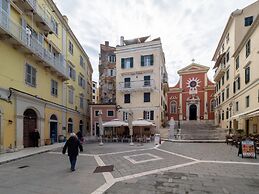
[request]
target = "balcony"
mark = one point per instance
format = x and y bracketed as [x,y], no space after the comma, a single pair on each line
[220,71]
[16,35]
[41,16]
[135,86]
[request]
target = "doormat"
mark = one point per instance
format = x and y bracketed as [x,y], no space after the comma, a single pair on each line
[104,169]
[25,166]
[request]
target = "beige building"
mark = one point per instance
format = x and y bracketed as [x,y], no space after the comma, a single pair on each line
[141,80]
[237,72]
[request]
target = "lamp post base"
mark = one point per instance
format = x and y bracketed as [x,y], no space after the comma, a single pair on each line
[101,144]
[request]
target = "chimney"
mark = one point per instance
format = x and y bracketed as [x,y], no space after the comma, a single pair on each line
[122,41]
[106,43]
[65,18]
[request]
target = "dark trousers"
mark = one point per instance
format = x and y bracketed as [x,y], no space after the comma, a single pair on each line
[73,162]
[36,143]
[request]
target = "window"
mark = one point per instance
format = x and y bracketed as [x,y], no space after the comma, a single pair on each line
[112,58]
[212,105]
[247,74]
[227,38]
[96,113]
[237,106]
[237,62]
[248,48]
[249,20]
[71,96]
[110,113]
[148,115]
[227,56]
[147,60]
[219,99]
[55,25]
[94,91]
[222,47]
[147,80]
[234,87]
[82,64]
[238,83]
[247,101]
[227,92]
[146,97]
[81,99]
[223,96]
[127,82]
[111,72]
[30,77]
[54,88]
[223,115]
[71,73]
[125,116]
[71,48]
[126,98]
[227,74]
[227,114]
[173,107]
[81,81]
[223,80]
[127,63]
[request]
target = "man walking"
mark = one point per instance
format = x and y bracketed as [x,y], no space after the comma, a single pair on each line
[72,146]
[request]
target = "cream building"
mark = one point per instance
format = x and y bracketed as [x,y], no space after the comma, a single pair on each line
[45,77]
[237,72]
[141,80]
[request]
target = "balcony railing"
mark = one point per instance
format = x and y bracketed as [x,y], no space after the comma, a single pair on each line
[18,36]
[142,85]
[40,14]
[220,71]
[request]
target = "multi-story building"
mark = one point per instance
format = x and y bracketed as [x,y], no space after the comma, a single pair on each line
[107,74]
[45,74]
[192,98]
[237,73]
[95,93]
[141,80]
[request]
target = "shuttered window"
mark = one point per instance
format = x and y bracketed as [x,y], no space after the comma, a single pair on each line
[30,77]
[127,63]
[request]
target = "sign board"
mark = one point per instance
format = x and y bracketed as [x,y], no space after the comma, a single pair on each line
[157,139]
[248,149]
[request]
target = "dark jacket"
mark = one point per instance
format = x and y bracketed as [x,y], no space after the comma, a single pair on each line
[72,145]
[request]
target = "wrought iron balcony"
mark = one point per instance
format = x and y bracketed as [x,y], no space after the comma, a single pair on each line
[41,16]
[133,86]
[17,36]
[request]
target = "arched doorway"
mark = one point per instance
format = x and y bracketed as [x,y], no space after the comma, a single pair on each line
[53,127]
[81,125]
[29,125]
[70,125]
[193,112]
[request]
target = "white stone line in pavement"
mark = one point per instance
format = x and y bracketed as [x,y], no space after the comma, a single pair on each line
[103,188]
[228,162]
[81,154]
[113,153]
[154,171]
[153,158]
[107,175]
[180,155]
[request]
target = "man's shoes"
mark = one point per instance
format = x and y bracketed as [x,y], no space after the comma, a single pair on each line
[72,169]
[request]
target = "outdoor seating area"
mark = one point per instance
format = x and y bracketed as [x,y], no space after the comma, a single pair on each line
[238,135]
[126,139]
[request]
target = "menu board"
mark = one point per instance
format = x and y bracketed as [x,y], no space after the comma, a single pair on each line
[248,149]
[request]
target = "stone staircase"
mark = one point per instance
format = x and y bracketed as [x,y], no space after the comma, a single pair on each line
[201,130]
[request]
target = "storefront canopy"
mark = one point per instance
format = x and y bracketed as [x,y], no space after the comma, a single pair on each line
[115,123]
[142,123]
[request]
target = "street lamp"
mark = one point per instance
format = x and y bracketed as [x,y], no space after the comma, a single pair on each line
[100,127]
[179,125]
[130,119]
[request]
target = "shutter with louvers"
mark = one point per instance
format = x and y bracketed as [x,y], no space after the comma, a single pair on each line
[151,59]
[144,114]
[131,62]
[151,115]
[142,60]
[122,63]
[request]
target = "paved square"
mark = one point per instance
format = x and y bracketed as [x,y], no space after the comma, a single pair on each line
[141,158]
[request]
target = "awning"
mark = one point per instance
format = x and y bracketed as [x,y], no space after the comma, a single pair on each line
[219,60]
[142,123]
[115,123]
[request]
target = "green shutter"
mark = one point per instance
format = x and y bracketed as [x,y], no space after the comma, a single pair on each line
[131,62]
[152,59]
[144,114]
[151,115]
[122,63]
[142,60]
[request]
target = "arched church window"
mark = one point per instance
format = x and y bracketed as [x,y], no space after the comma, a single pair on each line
[173,107]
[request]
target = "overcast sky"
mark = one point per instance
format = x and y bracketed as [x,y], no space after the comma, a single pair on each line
[188,28]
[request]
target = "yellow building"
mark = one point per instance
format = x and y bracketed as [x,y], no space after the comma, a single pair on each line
[45,76]
[141,80]
[237,72]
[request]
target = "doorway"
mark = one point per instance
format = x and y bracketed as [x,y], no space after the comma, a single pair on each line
[29,125]
[53,129]
[193,112]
